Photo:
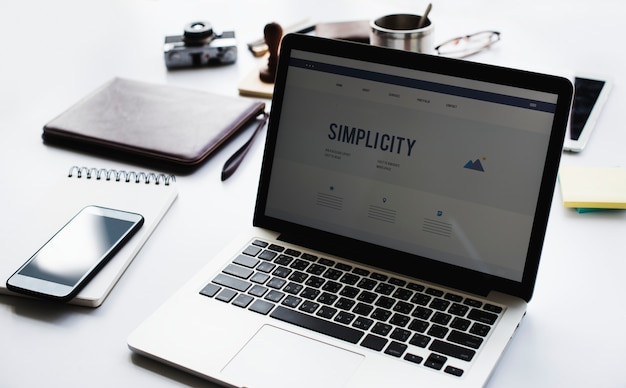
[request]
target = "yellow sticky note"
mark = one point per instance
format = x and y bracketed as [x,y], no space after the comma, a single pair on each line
[593,187]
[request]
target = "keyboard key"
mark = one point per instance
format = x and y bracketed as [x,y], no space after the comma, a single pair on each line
[258,291]
[454,371]
[274,296]
[293,288]
[326,312]
[381,314]
[381,328]
[316,269]
[367,284]
[246,261]
[441,318]
[395,349]
[413,358]
[434,292]
[492,308]
[310,293]
[276,248]
[349,278]
[327,298]
[361,272]
[343,267]
[379,276]
[438,331]
[363,323]
[422,312]
[266,267]
[345,317]
[309,257]
[363,309]
[403,307]
[317,324]
[400,334]
[252,250]
[300,264]
[399,320]
[402,293]
[374,342]
[226,295]
[435,361]
[415,287]
[242,300]
[231,282]
[453,297]
[292,301]
[385,302]
[326,262]
[283,260]
[482,316]
[452,350]
[292,252]
[472,302]
[419,340]
[367,297]
[439,304]
[384,288]
[309,306]
[421,299]
[332,274]
[345,303]
[460,324]
[331,286]
[260,243]
[282,272]
[471,341]
[480,329]
[314,281]
[210,290]
[397,282]
[261,306]
[458,309]
[238,271]
[298,277]
[259,278]
[276,283]
[267,255]
[349,292]
[419,325]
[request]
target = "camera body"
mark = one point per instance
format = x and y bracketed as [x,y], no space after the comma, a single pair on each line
[200,46]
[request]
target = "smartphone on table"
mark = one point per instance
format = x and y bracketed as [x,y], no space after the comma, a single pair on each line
[590,95]
[66,263]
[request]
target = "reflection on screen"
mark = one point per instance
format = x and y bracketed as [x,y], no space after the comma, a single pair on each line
[76,248]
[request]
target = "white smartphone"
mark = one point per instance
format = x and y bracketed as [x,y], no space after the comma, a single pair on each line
[590,94]
[64,264]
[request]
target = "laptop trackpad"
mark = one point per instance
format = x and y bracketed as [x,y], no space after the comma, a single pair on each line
[278,358]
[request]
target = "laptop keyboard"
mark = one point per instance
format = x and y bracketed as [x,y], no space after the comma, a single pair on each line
[417,323]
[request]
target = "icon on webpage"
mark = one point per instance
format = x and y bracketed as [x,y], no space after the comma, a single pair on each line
[475,165]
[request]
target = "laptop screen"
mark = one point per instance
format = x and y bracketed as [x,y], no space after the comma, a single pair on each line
[433,165]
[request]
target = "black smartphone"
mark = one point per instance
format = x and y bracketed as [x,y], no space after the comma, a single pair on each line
[65,264]
[590,94]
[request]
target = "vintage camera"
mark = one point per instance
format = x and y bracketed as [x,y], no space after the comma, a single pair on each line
[200,46]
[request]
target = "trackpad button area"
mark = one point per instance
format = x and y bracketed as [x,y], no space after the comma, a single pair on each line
[278,358]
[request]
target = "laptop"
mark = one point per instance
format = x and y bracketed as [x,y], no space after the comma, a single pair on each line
[401,212]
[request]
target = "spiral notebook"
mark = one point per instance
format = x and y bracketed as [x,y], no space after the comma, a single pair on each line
[147,193]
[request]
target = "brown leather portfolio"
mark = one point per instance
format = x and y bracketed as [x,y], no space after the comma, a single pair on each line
[152,123]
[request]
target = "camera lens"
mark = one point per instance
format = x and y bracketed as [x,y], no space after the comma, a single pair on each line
[198,31]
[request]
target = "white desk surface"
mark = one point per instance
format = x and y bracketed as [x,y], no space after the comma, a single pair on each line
[55,52]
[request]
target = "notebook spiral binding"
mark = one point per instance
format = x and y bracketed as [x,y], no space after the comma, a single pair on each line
[121,175]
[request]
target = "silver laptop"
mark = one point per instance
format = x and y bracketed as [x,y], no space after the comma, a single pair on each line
[400,217]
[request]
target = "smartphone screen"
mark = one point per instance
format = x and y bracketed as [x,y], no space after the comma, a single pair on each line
[586,94]
[590,95]
[75,252]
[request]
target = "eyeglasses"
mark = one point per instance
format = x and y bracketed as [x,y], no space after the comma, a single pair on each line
[467,45]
